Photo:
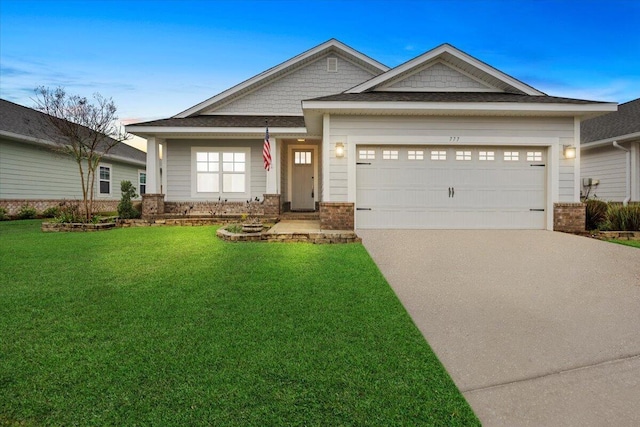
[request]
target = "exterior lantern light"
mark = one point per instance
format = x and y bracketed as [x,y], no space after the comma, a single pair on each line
[569,151]
[339,150]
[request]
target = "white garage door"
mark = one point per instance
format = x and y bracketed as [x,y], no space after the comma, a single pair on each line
[450,188]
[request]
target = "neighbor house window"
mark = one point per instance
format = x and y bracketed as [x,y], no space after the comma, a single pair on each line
[511,156]
[534,156]
[367,155]
[142,182]
[486,156]
[463,155]
[104,180]
[438,155]
[415,155]
[221,171]
[390,154]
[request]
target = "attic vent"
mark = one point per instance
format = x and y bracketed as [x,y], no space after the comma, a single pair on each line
[332,65]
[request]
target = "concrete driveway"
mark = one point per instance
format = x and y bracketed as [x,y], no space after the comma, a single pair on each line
[535,327]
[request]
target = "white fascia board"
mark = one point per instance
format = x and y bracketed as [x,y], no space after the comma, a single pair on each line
[49,144]
[279,68]
[160,130]
[466,107]
[609,141]
[428,56]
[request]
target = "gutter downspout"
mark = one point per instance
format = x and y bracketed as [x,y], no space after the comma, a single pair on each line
[625,202]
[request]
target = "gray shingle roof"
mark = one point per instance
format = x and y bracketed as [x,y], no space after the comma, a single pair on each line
[31,123]
[625,121]
[450,97]
[227,121]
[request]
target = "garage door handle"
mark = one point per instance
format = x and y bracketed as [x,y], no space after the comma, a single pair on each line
[453,192]
[449,191]
[363,209]
[536,210]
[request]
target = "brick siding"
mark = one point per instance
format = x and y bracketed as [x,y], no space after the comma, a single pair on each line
[336,216]
[13,206]
[569,217]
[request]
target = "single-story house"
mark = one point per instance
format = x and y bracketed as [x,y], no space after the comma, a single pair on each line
[441,141]
[610,167]
[34,173]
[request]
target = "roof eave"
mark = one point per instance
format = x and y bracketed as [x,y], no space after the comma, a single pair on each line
[160,131]
[609,141]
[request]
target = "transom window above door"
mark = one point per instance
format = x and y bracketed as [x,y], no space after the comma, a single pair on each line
[302,158]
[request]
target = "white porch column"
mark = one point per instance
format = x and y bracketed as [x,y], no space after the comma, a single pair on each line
[153,166]
[273,183]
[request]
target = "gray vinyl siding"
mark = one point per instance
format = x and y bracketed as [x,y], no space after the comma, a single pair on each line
[606,164]
[179,167]
[283,96]
[345,127]
[32,172]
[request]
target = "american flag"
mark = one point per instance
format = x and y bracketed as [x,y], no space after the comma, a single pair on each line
[266,151]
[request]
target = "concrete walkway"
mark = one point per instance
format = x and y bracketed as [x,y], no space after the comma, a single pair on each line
[536,328]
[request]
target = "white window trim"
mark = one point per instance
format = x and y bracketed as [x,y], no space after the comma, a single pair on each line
[229,196]
[140,171]
[105,165]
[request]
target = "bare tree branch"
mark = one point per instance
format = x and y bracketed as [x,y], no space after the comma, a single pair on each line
[85,131]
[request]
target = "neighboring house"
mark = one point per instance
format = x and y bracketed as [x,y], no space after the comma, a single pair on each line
[441,141]
[610,167]
[32,172]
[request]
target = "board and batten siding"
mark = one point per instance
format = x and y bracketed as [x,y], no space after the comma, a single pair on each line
[32,172]
[606,164]
[283,96]
[409,130]
[179,167]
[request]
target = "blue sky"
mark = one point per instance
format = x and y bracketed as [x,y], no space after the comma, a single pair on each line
[158,58]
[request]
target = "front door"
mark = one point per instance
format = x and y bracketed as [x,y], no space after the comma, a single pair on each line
[303,185]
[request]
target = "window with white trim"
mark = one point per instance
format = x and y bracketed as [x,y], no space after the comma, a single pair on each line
[415,155]
[438,155]
[463,155]
[511,156]
[486,156]
[142,182]
[221,171]
[534,156]
[366,154]
[389,154]
[104,180]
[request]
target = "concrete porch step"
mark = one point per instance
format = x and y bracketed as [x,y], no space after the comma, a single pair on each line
[300,216]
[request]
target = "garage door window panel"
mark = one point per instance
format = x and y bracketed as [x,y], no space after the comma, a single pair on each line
[366,154]
[438,155]
[511,156]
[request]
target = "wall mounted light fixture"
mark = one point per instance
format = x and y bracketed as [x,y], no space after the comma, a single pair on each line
[339,150]
[569,151]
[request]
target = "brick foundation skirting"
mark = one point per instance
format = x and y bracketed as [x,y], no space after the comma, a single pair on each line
[154,206]
[569,217]
[13,206]
[336,216]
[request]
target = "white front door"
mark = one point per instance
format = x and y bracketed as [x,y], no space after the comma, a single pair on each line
[461,187]
[303,182]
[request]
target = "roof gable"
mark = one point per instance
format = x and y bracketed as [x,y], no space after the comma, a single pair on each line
[463,69]
[333,47]
[437,76]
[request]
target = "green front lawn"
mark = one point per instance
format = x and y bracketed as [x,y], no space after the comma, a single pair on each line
[170,326]
[634,243]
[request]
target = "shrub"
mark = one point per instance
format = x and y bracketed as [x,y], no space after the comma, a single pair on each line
[3,214]
[69,212]
[125,207]
[623,218]
[51,212]
[596,214]
[27,212]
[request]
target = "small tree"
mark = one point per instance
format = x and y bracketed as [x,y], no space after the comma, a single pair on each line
[85,131]
[125,207]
